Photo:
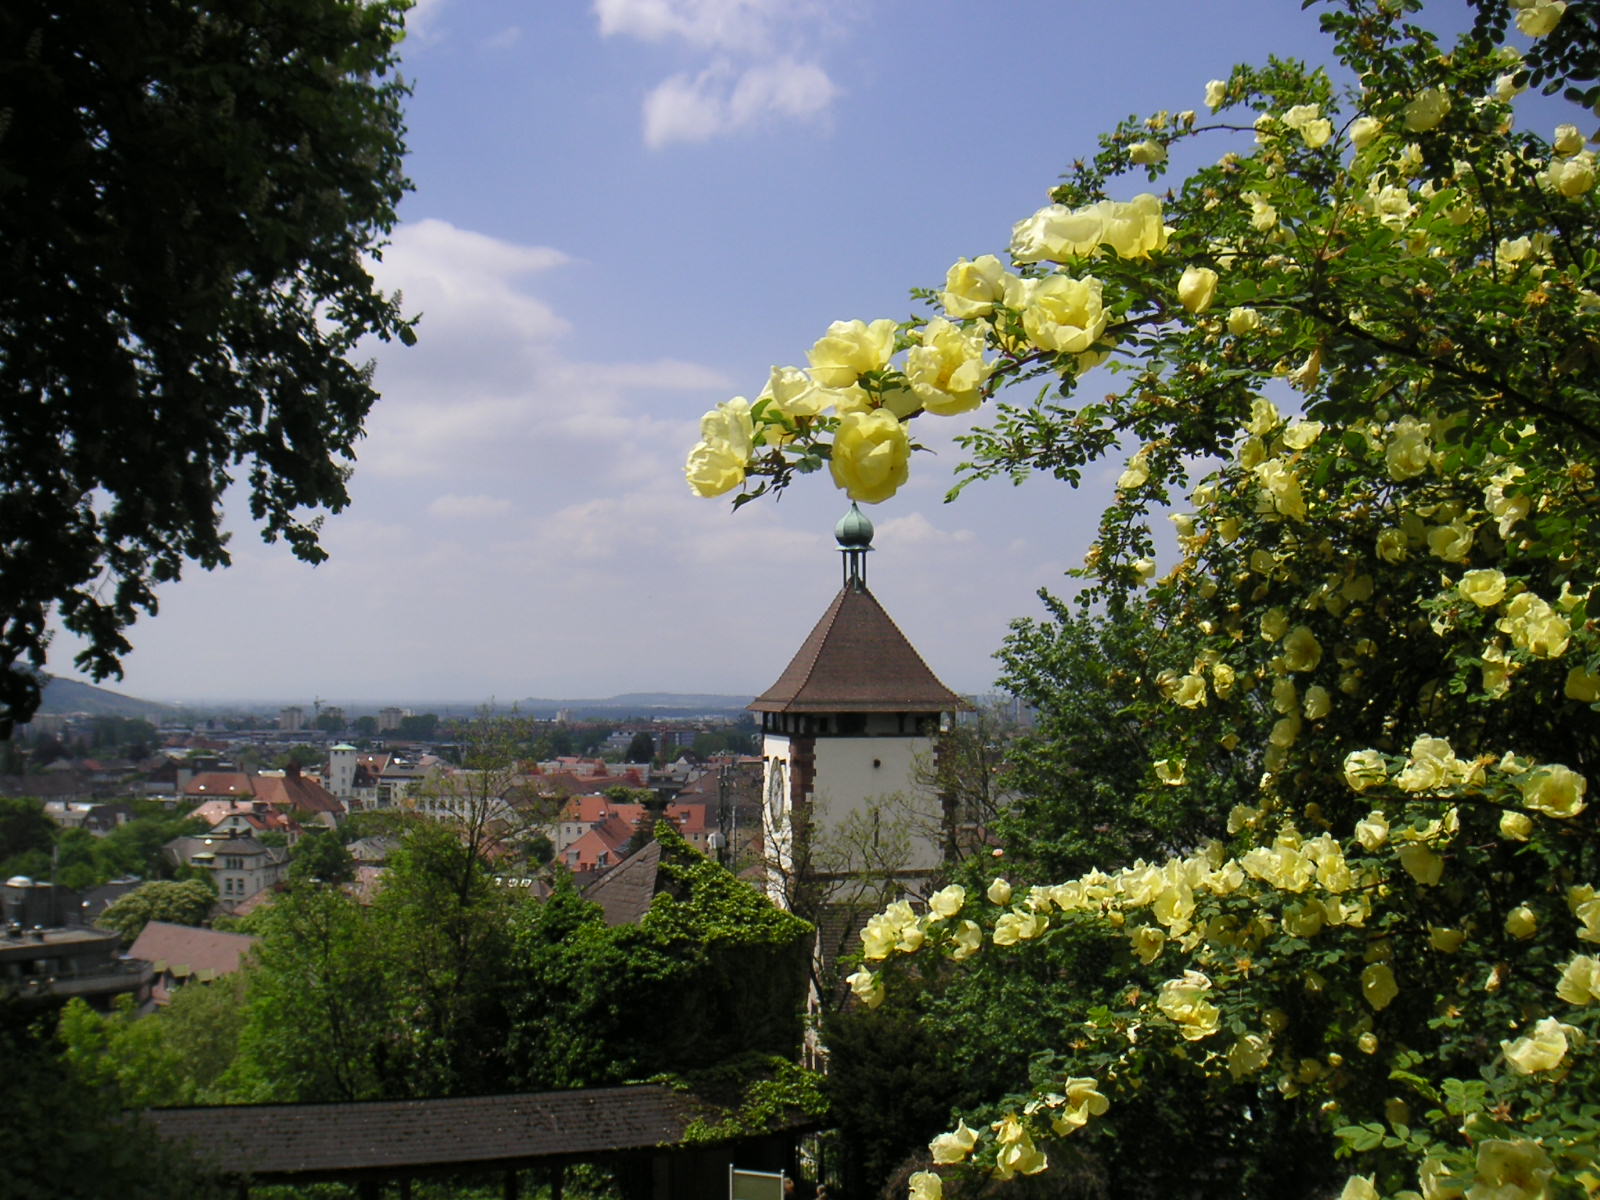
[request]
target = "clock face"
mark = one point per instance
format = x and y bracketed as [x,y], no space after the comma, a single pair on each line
[777,792]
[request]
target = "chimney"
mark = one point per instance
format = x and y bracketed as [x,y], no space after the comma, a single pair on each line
[292,771]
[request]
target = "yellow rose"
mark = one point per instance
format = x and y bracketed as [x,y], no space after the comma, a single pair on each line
[1318,702]
[1378,987]
[1538,17]
[972,289]
[1197,288]
[1134,229]
[1445,940]
[926,1185]
[1582,685]
[1184,1002]
[1223,678]
[1216,94]
[1408,452]
[1580,981]
[955,1146]
[1421,863]
[1243,320]
[1567,141]
[1572,177]
[1363,130]
[1515,826]
[1485,588]
[1450,542]
[794,393]
[1541,1050]
[1083,1100]
[871,455]
[1522,922]
[1190,692]
[1392,546]
[967,941]
[866,987]
[1300,434]
[1148,941]
[1535,626]
[1362,770]
[1554,790]
[1372,831]
[947,901]
[1148,153]
[727,439]
[999,892]
[1170,771]
[1359,1187]
[1056,233]
[1427,110]
[947,370]
[1017,1155]
[849,350]
[1249,1055]
[1061,313]
[1301,650]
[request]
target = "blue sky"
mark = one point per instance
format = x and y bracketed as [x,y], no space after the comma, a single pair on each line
[625,212]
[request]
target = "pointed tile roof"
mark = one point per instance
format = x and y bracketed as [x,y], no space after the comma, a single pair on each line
[857,660]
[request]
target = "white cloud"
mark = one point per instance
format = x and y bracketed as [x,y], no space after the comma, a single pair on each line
[505,39]
[720,100]
[760,68]
[916,530]
[469,508]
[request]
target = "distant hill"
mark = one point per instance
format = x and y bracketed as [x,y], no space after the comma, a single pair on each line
[642,704]
[62,696]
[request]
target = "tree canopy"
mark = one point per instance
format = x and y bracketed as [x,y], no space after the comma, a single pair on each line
[189,200]
[1353,362]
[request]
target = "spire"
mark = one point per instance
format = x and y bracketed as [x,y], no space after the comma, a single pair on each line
[854,535]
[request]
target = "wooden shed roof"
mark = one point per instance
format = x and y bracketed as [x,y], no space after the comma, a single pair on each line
[287,1141]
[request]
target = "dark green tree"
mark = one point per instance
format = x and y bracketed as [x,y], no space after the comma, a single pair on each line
[320,857]
[189,196]
[641,748]
[185,903]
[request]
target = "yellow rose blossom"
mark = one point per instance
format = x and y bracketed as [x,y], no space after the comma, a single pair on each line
[925,1185]
[1197,288]
[1017,1154]
[1582,685]
[1223,678]
[1515,826]
[972,289]
[1536,18]
[1060,313]
[1135,228]
[1450,542]
[1378,987]
[1392,546]
[1521,922]
[1082,1101]
[966,941]
[1567,140]
[1243,320]
[1056,233]
[947,370]
[1216,94]
[947,902]
[1148,153]
[871,455]
[1535,626]
[1363,130]
[1318,702]
[1421,863]
[1580,981]
[1301,650]
[1148,941]
[1359,1187]
[1485,588]
[1372,831]
[999,892]
[866,987]
[1572,177]
[1183,1001]
[1554,790]
[1190,692]
[727,439]
[851,349]
[1426,110]
[1302,434]
[1541,1050]
[955,1146]
[1249,1055]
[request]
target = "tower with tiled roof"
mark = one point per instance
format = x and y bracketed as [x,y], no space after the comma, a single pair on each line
[843,730]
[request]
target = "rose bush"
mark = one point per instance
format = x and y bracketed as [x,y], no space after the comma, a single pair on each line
[1357,355]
